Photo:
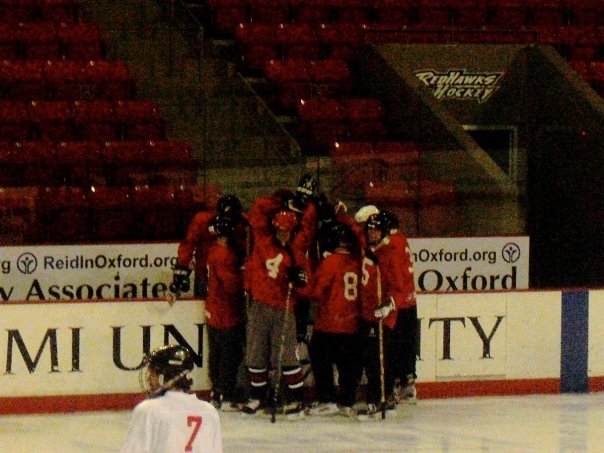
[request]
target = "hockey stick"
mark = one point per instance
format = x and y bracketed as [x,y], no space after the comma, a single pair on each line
[381,345]
[278,370]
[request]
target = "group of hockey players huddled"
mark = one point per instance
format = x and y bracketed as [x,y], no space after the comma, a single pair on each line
[298,270]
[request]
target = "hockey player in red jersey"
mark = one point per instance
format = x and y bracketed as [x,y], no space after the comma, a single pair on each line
[388,287]
[335,310]
[403,344]
[195,245]
[277,266]
[224,313]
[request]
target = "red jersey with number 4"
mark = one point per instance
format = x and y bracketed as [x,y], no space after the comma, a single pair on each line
[266,269]
[336,289]
[224,302]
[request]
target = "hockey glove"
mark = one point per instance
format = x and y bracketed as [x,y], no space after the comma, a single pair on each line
[384,310]
[181,281]
[297,276]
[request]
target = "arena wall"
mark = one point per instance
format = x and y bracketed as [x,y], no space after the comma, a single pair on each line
[62,356]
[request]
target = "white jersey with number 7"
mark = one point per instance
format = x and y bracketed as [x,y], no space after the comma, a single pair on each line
[174,423]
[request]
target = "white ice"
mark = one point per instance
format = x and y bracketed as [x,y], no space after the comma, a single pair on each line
[544,423]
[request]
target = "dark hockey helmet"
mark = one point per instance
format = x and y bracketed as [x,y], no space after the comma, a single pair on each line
[379,221]
[222,225]
[340,235]
[392,219]
[172,363]
[285,220]
[171,360]
[229,204]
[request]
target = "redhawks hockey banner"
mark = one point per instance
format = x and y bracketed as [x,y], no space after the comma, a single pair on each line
[127,271]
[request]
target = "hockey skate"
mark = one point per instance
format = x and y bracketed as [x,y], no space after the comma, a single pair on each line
[324,409]
[294,411]
[229,406]
[366,412]
[406,395]
[252,407]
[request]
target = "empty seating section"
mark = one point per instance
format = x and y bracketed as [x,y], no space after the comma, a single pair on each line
[80,155]
[306,50]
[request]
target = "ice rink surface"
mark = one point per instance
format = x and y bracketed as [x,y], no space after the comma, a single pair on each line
[544,423]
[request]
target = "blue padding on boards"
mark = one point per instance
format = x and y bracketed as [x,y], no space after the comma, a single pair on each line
[575,336]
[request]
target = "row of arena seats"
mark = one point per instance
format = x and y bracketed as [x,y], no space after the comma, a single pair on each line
[97,213]
[227,14]
[81,120]
[259,43]
[93,163]
[51,41]
[390,161]
[297,79]
[65,80]
[324,121]
[39,10]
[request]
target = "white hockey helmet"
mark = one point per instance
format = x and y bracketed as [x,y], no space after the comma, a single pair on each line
[363,214]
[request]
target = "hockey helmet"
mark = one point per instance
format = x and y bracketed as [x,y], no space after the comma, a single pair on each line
[379,221]
[392,219]
[340,235]
[363,214]
[171,360]
[229,204]
[172,363]
[285,220]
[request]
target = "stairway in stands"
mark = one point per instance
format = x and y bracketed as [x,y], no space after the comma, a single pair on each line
[301,55]
[82,157]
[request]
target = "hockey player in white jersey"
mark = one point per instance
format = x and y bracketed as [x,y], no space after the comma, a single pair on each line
[172,419]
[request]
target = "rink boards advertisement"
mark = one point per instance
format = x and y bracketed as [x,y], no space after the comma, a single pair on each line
[86,355]
[121,271]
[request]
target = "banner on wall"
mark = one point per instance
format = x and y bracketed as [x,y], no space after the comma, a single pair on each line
[126,271]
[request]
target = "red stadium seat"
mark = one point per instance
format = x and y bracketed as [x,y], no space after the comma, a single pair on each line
[321,123]
[14,121]
[38,164]
[39,40]
[111,79]
[112,217]
[330,77]
[9,48]
[315,12]
[342,41]
[12,11]
[65,214]
[58,11]
[80,163]
[66,80]
[510,13]
[156,211]
[95,120]
[292,81]
[258,44]
[393,12]
[298,41]
[270,11]
[228,14]
[81,41]
[52,120]
[126,162]
[139,119]
[171,161]
[23,80]
[436,13]
[364,118]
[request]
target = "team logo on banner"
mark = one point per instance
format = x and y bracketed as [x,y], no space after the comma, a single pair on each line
[461,84]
